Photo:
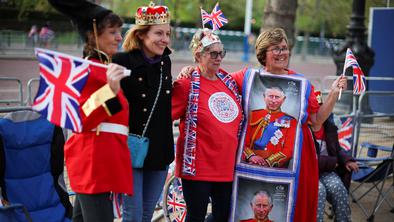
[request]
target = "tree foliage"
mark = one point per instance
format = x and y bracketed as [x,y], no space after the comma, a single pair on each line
[312,15]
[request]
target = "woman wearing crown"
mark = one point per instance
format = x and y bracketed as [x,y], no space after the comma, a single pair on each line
[209,108]
[146,54]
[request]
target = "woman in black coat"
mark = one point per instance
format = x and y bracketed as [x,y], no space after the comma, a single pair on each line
[147,56]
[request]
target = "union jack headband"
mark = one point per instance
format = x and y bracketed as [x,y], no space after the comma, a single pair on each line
[209,38]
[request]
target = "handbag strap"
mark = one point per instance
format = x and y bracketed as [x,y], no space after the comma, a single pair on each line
[155,102]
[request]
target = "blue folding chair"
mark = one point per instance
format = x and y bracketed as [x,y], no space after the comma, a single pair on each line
[14,213]
[374,170]
[31,167]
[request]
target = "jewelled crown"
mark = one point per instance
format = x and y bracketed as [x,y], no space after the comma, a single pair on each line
[152,15]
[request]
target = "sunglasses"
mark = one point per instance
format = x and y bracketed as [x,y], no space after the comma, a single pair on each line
[215,54]
[277,50]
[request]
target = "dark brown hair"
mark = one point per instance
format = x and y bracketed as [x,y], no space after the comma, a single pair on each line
[110,20]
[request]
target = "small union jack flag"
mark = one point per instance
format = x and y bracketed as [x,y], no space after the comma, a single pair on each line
[176,205]
[358,75]
[62,78]
[218,19]
[206,18]
[345,132]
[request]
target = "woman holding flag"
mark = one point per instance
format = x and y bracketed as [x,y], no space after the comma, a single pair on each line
[273,53]
[148,91]
[97,158]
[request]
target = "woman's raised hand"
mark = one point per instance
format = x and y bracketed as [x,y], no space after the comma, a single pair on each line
[115,73]
[339,83]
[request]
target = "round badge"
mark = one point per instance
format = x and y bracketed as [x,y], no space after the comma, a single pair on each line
[223,107]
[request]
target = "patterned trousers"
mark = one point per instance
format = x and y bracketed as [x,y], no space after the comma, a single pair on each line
[332,189]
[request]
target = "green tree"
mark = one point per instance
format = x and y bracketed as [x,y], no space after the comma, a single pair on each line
[281,13]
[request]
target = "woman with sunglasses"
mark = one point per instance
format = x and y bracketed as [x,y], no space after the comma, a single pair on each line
[209,108]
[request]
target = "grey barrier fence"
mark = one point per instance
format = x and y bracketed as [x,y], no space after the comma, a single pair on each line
[29,94]
[8,92]
[375,128]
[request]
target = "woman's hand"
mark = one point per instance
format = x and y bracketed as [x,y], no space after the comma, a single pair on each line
[351,166]
[258,160]
[185,73]
[339,83]
[115,73]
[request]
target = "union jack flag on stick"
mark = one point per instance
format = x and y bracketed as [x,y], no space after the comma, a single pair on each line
[218,19]
[358,75]
[205,18]
[62,78]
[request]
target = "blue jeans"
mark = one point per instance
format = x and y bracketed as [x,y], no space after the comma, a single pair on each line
[148,185]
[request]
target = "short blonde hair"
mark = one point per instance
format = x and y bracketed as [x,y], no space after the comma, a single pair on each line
[133,37]
[267,38]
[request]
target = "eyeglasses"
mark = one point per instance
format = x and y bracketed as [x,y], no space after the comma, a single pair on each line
[215,54]
[277,50]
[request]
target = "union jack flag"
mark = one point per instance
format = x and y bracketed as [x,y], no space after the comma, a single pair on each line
[218,19]
[345,132]
[176,205]
[206,18]
[358,75]
[62,78]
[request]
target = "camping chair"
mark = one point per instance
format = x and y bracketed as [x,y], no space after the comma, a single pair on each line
[31,167]
[375,171]
[14,213]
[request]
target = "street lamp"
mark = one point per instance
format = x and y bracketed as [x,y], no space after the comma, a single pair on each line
[356,41]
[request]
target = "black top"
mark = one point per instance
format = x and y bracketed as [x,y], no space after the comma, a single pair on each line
[336,155]
[140,89]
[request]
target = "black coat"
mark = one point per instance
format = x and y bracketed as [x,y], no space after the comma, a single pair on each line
[336,155]
[140,89]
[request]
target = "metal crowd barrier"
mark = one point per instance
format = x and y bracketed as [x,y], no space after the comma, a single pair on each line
[29,95]
[375,128]
[19,99]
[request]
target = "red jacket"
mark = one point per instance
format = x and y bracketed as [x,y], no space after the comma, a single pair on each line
[280,153]
[99,162]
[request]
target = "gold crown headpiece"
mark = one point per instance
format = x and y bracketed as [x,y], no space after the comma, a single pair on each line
[152,15]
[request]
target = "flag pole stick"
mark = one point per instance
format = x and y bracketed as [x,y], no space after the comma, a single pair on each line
[38,50]
[202,21]
[343,73]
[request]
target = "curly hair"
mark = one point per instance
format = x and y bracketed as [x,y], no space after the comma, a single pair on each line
[267,38]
